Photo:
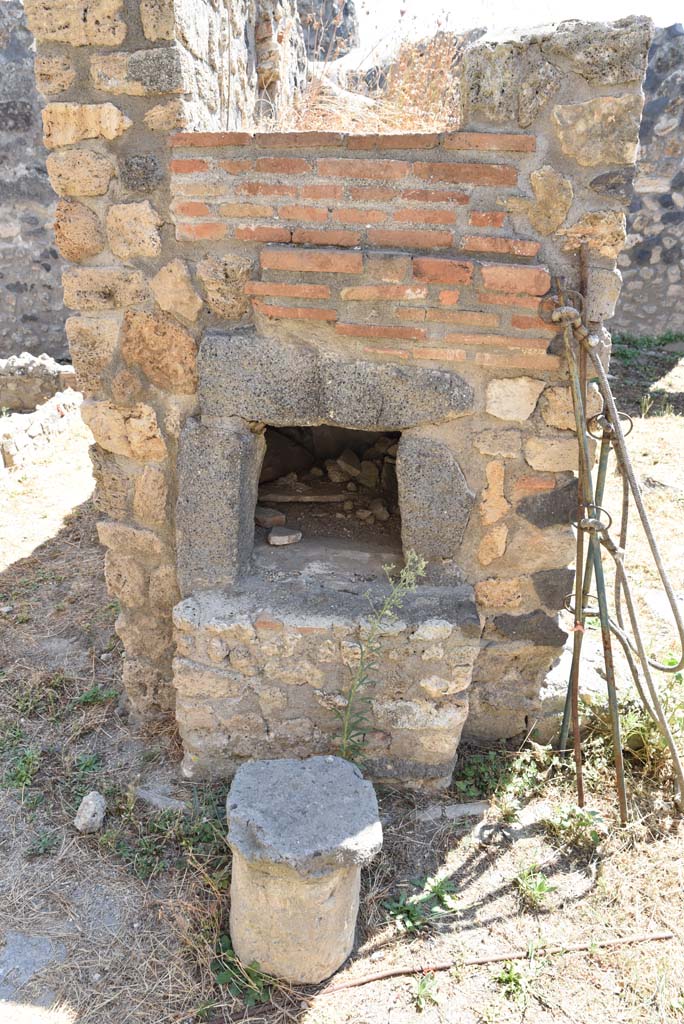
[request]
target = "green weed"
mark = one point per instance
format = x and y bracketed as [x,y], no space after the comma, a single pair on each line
[425,992]
[435,898]
[533,887]
[355,714]
[46,843]
[577,826]
[244,982]
[513,982]
[22,769]
[95,695]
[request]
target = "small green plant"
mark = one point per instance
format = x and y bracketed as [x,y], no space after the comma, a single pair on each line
[95,695]
[47,842]
[512,981]
[533,886]
[355,714]
[577,826]
[646,404]
[86,764]
[22,769]
[425,991]
[435,898]
[245,982]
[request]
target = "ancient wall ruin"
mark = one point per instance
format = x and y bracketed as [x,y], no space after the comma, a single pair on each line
[31,312]
[402,278]
[652,264]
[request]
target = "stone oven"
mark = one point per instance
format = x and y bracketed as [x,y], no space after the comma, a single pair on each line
[347,333]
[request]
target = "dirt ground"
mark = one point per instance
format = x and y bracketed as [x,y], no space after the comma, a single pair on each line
[129,926]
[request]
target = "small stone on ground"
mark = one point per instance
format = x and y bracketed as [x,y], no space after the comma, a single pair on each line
[91,812]
[269,517]
[281,535]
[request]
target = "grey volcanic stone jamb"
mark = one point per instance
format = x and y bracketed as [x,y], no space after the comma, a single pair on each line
[553,586]
[272,381]
[434,496]
[218,471]
[310,815]
[536,627]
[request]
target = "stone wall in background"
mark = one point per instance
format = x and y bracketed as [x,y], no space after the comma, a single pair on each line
[652,300]
[31,311]
[331,27]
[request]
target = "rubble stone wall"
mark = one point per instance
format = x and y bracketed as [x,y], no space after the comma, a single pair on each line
[652,264]
[31,311]
[161,252]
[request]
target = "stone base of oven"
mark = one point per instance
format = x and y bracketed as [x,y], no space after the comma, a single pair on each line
[262,671]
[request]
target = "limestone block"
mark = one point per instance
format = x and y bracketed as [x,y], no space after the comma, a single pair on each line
[130,540]
[149,498]
[513,398]
[92,344]
[218,467]
[165,117]
[435,499]
[163,588]
[158,19]
[299,832]
[223,279]
[145,633]
[602,230]
[125,579]
[506,81]
[162,349]
[604,130]
[114,484]
[133,230]
[552,454]
[505,443]
[53,75]
[67,123]
[142,73]
[557,410]
[80,172]
[131,432]
[78,232]
[173,291]
[603,54]
[603,292]
[493,544]
[553,195]
[92,289]
[493,505]
[77,22]
[146,686]
[126,387]
[501,593]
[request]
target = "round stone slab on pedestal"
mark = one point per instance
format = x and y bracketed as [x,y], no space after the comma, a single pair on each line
[299,832]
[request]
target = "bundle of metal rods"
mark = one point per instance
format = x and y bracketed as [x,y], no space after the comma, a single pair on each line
[593,525]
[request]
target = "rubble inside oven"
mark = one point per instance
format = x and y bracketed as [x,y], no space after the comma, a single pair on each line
[329,493]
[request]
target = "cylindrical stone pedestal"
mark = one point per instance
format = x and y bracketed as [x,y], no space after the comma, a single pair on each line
[299,832]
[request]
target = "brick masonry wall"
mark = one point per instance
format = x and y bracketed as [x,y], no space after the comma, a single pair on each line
[31,311]
[652,299]
[149,276]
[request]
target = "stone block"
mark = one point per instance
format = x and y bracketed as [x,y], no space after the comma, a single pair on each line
[553,454]
[132,432]
[141,73]
[493,544]
[133,230]
[67,123]
[148,688]
[92,289]
[141,172]
[150,496]
[80,172]
[513,398]
[553,195]
[603,292]
[504,594]
[78,232]
[130,540]
[299,832]
[218,468]
[604,130]
[92,343]
[245,374]
[557,410]
[53,75]
[158,19]
[550,508]
[174,293]
[126,579]
[603,54]
[435,499]
[602,231]
[77,22]
[553,585]
[535,627]
[493,505]
[223,279]
[164,351]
